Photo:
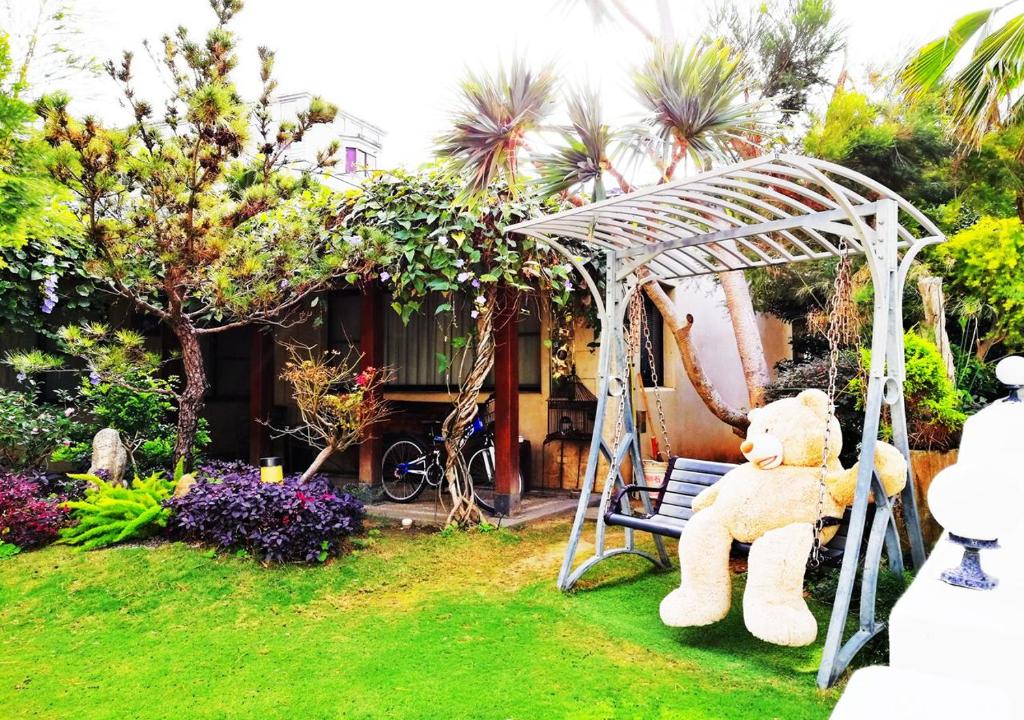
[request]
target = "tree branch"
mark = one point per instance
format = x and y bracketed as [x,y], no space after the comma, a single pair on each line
[681,328]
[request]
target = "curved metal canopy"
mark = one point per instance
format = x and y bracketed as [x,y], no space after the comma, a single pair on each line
[771,210]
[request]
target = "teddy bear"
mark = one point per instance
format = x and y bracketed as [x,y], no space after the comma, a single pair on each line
[771,502]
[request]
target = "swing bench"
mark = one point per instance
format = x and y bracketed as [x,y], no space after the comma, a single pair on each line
[768,211]
[684,480]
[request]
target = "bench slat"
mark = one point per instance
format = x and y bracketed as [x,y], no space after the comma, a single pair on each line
[684,488]
[673,511]
[680,500]
[700,478]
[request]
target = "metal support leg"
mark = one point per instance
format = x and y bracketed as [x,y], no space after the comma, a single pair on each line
[612,346]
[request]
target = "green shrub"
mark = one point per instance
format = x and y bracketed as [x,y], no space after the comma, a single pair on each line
[935,408]
[111,514]
[982,266]
[142,413]
[30,430]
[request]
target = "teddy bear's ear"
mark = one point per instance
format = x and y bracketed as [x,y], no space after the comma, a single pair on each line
[816,400]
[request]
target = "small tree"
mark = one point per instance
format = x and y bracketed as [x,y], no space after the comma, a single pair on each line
[188,225]
[23,181]
[338,405]
[982,267]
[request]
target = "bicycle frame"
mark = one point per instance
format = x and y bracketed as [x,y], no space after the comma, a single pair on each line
[432,458]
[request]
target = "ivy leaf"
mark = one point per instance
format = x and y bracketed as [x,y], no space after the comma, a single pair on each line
[443,363]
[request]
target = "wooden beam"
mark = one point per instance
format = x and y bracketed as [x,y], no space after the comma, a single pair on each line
[508,492]
[371,346]
[261,392]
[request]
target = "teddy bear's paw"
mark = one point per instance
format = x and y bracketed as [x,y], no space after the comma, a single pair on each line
[790,624]
[686,607]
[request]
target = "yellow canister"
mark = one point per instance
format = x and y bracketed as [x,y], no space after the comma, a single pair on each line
[271,470]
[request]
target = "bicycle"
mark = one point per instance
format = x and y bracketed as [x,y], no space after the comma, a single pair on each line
[407,469]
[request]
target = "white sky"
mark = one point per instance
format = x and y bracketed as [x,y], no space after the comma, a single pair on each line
[396,63]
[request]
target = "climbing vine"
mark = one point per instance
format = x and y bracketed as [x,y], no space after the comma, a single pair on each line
[423,235]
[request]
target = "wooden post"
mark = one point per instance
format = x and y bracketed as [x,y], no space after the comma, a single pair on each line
[261,392]
[371,346]
[508,491]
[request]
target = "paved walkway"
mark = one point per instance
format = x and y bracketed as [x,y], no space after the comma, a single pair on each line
[427,510]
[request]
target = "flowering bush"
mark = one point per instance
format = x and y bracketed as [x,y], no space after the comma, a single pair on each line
[30,430]
[277,522]
[28,519]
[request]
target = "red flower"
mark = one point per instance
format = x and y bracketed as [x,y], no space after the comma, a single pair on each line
[363,378]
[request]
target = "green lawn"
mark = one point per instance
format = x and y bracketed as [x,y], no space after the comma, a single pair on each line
[414,626]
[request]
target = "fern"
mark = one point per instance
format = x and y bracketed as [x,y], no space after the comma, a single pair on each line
[111,514]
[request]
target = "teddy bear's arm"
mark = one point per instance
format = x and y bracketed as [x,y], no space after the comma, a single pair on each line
[842,484]
[705,497]
[890,465]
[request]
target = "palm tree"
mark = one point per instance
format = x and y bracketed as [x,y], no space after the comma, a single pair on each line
[694,109]
[691,97]
[583,156]
[498,112]
[979,67]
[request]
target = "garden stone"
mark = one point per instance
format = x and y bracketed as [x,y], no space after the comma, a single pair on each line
[184,484]
[109,455]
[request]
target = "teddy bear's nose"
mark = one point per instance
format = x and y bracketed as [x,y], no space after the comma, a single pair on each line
[746,446]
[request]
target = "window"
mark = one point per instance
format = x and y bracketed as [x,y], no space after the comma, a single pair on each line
[358,160]
[656,325]
[412,350]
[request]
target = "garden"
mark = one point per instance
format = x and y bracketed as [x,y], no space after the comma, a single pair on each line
[145,573]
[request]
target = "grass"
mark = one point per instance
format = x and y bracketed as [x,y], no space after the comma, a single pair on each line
[414,625]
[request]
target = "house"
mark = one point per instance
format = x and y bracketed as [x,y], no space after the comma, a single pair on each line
[246,399]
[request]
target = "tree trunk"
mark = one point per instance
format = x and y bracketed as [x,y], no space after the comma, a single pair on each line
[320,459]
[935,318]
[190,404]
[748,337]
[681,328]
[985,345]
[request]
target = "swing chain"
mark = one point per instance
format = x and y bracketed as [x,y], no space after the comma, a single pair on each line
[649,347]
[837,330]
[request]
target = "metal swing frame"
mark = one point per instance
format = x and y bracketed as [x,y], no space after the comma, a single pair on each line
[772,210]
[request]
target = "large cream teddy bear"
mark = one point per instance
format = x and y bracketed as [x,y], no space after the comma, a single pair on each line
[770,501]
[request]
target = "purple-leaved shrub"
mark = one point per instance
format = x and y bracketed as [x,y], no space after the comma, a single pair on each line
[277,522]
[28,517]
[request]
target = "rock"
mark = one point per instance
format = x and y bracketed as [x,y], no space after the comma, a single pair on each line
[185,483]
[109,456]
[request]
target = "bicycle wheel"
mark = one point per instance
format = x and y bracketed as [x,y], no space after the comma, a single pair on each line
[403,471]
[481,471]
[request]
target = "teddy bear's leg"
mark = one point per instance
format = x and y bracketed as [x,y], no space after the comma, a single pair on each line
[773,605]
[705,591]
